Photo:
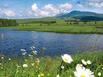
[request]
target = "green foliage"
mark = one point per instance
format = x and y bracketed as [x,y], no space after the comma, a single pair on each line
[47,66]
[7,22]
[60,26]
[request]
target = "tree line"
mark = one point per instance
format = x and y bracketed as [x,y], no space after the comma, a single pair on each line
[8,22]
[78,21]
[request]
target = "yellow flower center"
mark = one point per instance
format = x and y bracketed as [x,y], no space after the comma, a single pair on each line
[82,75]
[42,75]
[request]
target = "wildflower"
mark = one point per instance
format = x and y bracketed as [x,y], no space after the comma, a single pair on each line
[24,53]
[25,65]
[34,52]
[32,47]
[67,58]
[32,64]
[9,59]
[83,72]
[62,67]
[23,50]
[2,57]
[41,75]
[84,62]
[89,62]
[30,55]
[99,74]
[57,75]
[37,61]
[79,65]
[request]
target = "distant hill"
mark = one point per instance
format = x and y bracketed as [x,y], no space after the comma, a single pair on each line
[82,15]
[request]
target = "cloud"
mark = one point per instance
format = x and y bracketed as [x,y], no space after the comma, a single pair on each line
[6,12]
[37,11]
[43,14]
[9,13]
[80,5]
[50,9]
[35,7]
[96,3]
[65,7]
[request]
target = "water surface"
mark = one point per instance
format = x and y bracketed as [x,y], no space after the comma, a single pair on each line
[11,41]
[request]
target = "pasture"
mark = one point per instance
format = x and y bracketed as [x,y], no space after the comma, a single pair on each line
[60,26]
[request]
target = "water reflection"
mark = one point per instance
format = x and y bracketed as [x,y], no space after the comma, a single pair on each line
[55,44]
[1,36]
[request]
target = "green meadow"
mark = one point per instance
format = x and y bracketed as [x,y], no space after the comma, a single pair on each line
[51,38]
[33,66]
[88,64]
[60,27]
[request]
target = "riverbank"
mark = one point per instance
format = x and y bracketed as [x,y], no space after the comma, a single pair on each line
[62,27]
[32,66]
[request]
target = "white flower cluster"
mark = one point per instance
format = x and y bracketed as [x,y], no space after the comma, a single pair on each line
[80,71]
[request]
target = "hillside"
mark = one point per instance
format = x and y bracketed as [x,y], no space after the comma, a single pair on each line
[82,15]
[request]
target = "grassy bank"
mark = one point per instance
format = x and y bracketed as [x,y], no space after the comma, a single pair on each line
[63,27]
[31,66]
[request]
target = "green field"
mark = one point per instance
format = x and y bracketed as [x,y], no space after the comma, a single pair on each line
[61,27]
[49,67]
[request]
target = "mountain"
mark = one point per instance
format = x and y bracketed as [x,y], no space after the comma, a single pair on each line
[82,15]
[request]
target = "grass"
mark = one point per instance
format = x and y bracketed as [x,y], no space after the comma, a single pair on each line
[51,66]
[63,27]
[48,66]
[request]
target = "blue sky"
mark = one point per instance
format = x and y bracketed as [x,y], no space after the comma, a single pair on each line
[45,8]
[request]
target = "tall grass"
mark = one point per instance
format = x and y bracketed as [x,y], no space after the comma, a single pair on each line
[47,66]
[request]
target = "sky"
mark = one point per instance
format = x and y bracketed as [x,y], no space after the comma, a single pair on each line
[46,8]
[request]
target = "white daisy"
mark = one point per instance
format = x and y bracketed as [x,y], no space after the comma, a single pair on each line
[25,65]
[84,62]
[24,53]
[99,73]
[34,52]
[67,58]
[32,48]
[23,50]
[83,72]
[89,62]
[79,66]
[9,59]
[57,75]
[62,67]
[2,57]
